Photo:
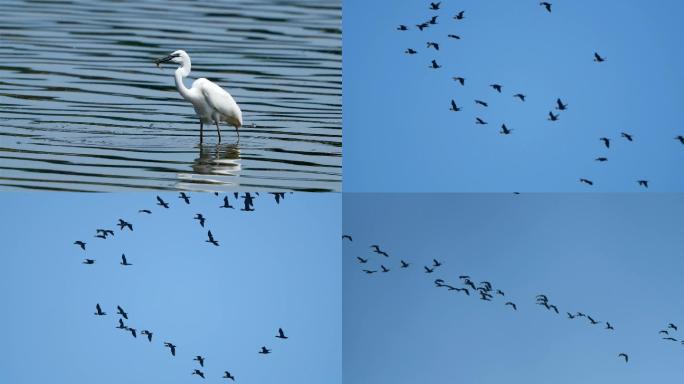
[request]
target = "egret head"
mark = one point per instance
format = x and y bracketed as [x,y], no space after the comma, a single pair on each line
[178,57]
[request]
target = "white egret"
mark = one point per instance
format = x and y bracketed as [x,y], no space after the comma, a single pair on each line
[211,102]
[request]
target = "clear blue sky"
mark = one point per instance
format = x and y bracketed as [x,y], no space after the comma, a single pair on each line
[399,134]
[615,257]
[278,266]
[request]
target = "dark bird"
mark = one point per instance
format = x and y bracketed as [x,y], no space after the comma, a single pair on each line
[88,261]
[162,202]
[402,28]
[608,326]
[520,96]
[201,219]
[586,181]
[484,296]
[171,347]
[145,211]
[433,45]
[598,58]
[601,159]
[198,373]
[211,239]
[497,87]
[470,284]
[278,196]
[422,26]
[123,224]
[554,308]
[505,130]
[248,202]
[435,6]
[454,107]
[482,103]
[480,121]
[459,79]
[368,271]
[570,315]
[377,250]
[553,117]
[384,269]
[132,331]
[459,16]
[101,236]
[439,282]
[546,5]
[226,204]
[464,277]
[606,141]
[227,375]
[281,334]
[436,263]
[200,360]
[264,351]
[99,310]
[560,105]
[515,308]
[542,297]
[457,37]
[463,290]
[643,183]
[80,244]
[121,325]
[593,322]
[185,197]
[362,260]
[411,51]
[672,326]
[404,264]
[625,356]
[147,333]
[105,232]
[580,314]
[680,138]
[433,20]
[664,332]
[428,270]
[124,261]
[121,312]
[434,65]
[627,136]
[347,237]
[500,292]
[669,338]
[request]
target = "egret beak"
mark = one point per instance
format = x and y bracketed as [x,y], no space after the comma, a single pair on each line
[165,59]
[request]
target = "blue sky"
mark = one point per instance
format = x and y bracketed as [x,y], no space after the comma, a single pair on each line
[399,134]
[616,257]
[275,267]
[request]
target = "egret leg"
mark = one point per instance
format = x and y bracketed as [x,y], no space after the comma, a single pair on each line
[237,132]
[218,130]
[201,130]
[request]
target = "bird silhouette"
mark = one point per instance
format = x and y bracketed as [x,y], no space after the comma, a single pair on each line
[198,373]
[479,121]
[145,211]
[80,244]
[672,326]
[598,58]
[497,87]
[132,331]
[608,326]
[422,26]
[347,237]
[227,375]
[433,20]
[552,117]
[515,308]
[669,338]
[680,138]
[200,360]
[123,224]
[601,159]
[593,322]
[560,106]
[454,107]
[211,239]
[88,261]
[500,292]
[434,65]
[404,264]
[121,312]
[435,6]
[459,79]
[171,347]
[460,15]
[124,262]
[520,96]
[643,183]
[505,130]
[402,28]
[482,103]
[627,136]
[570,315]
[457,37]
[411,51]
[99,310]
[162,203]
[436,263]
[368,271]
[121,325]
[664,332]
[147,333]
[226,204]
[428,270]
[278,196]
[105,232]
[200,218]
[546,5]
[463,290]
[625,356]
[281,334]
[384,269]
[248,202]
[433,45]
[362,260]
[606,141]
[264,351]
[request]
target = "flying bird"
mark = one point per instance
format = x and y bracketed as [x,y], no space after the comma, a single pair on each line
[211,102]
[433,20]
[520,96]
[368,271]
[480,121]
[201,219]
[123,224]
[198,373]
[669,338]
[570,315]
[625,356]
[422,26]
[384,269]
[428,270]
[515,308]
[281,334]
[598,58]
[553,117]
[264,351]
[601,159]
[227,375]
[672,326]
[680,138]
[145,211]
[121,325]
[132,331]
[88,261]
[185,197]
[505,130]
[146,332]
[171,347]
[226,204]
[627,136]
[593,322]
[482,103]
[454,107]
[121,312]
[162,203]
[124,262]
[200,360]
[434,65]
[433,45]
[459,79]
[411,51]
[560,105]
[496,87]
[457,37]
[404,264]
[99,310]
[362,260]
[80,244]
[402,28]
[546,5]
[435,6]
[211,239]
[643,183]
[606,141]
[608,326]
[436,263]
[459,16]
[347,237]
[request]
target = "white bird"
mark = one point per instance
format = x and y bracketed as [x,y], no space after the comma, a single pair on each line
[211,102]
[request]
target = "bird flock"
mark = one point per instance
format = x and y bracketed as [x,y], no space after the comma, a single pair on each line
[485,290]
[434,45]
[122,322]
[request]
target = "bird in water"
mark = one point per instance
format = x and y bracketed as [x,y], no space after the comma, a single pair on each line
[211,102]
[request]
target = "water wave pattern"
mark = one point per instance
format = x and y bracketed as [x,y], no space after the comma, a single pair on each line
[83,107]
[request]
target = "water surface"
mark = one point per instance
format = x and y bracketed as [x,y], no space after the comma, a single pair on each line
[83,108]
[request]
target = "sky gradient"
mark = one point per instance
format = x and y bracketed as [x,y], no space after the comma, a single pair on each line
[275,267]
[614,257]
[400,136]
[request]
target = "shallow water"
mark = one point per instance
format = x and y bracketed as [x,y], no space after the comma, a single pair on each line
[83,107]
